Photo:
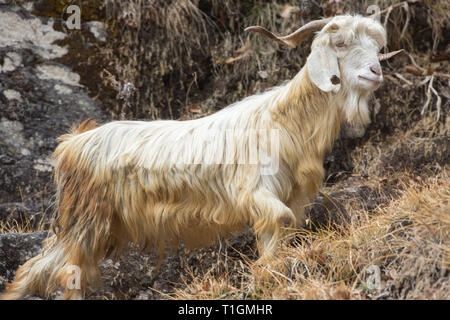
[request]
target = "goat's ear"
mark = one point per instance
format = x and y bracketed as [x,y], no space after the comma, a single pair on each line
[323,68]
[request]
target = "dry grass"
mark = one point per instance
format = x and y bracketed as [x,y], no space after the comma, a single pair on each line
[407,241]
[423,148]
[23,217]
[24,224]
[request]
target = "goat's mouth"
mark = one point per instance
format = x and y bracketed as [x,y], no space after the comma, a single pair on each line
[373,82]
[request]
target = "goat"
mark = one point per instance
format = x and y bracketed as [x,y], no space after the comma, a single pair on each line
[142,182]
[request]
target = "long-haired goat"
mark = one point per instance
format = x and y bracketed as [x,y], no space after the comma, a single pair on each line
[149,182]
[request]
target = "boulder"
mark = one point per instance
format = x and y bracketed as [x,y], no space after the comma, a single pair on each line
[15,250]
[40,99]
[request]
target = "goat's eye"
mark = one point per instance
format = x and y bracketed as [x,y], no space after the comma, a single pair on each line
[340,45]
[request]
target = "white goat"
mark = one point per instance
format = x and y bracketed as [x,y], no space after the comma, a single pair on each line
[149,182]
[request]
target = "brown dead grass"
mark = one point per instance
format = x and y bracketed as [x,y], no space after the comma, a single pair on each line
[422,149]
[25,224]
[408,241]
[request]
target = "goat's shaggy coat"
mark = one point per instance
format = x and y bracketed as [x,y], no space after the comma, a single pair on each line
[124,181]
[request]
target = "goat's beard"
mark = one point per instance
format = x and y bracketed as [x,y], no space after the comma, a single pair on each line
[355,106]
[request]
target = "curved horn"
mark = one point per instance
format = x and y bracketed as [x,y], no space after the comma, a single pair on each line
[385,56]
[292,40]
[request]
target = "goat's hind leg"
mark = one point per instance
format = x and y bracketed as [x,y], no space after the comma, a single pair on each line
[81,272]
[78,275]
[270,217]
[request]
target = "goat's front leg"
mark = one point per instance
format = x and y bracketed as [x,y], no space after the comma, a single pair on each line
[270,217]
[298,202]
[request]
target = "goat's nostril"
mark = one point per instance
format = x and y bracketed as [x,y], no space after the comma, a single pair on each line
[376,69]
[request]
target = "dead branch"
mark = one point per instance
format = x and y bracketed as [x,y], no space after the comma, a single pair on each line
[398,75]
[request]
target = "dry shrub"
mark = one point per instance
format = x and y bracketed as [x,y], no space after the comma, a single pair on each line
[188,57]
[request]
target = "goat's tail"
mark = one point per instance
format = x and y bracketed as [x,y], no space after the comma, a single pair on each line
[86,125]
[42,273]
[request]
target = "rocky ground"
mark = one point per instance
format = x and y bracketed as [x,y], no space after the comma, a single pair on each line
[51,78]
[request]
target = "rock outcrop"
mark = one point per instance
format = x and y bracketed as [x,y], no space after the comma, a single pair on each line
[40,99]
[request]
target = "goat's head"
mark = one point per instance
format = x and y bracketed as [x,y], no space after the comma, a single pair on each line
[345,52]
[344,55]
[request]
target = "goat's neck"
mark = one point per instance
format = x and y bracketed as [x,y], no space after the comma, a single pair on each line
[311,117]
[309,120]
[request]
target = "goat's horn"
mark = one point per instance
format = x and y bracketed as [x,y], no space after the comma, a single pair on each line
[292,40]
[385,56]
